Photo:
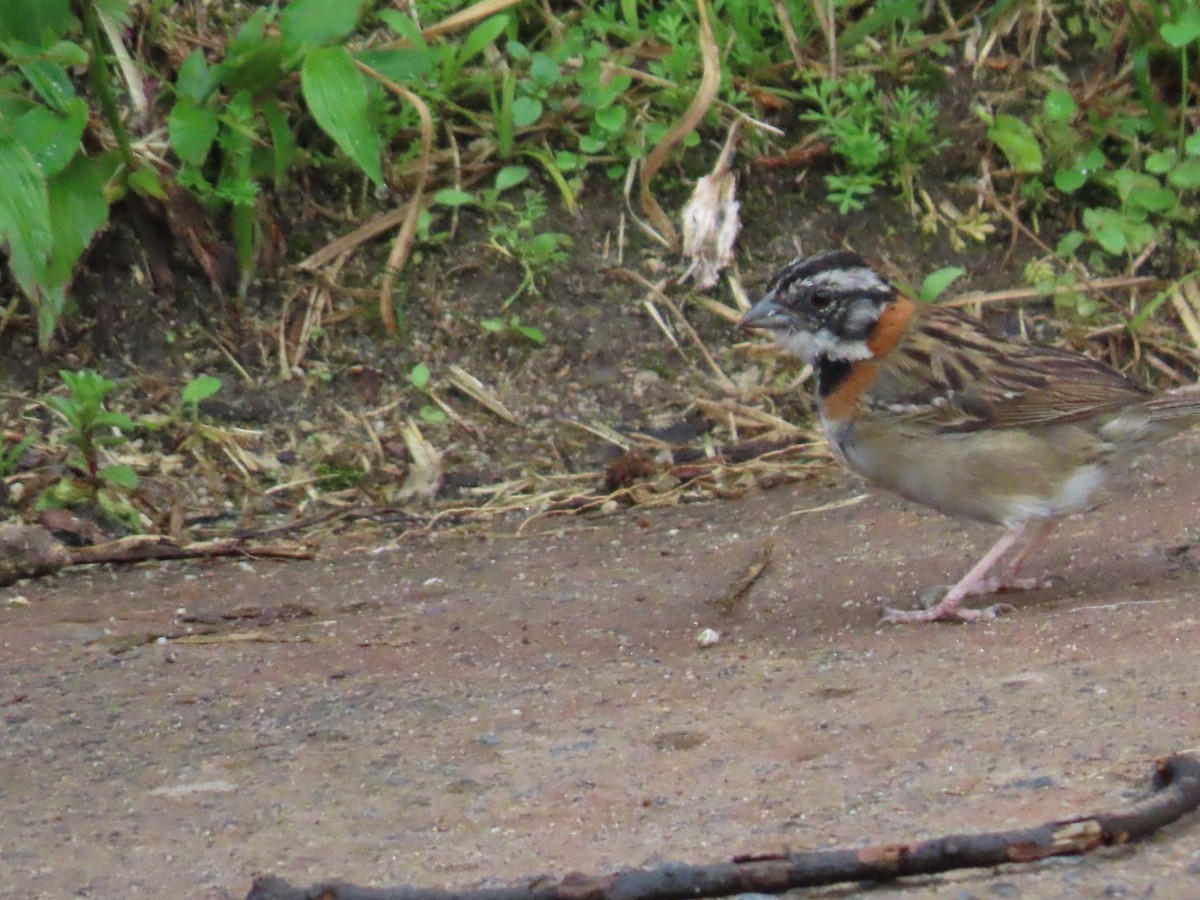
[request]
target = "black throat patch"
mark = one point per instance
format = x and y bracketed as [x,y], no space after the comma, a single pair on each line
[830,374]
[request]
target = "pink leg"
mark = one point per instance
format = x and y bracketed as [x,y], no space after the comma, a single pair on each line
[1009,580]
[976,582]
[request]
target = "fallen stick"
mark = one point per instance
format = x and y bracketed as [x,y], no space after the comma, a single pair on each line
[1176,792]
[30,551]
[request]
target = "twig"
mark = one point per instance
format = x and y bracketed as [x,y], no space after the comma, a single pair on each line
[1176,782]
[142,547]
[726,603]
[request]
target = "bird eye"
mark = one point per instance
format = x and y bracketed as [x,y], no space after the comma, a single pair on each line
[820,301]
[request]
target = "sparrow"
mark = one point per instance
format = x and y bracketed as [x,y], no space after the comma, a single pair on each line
[930,403]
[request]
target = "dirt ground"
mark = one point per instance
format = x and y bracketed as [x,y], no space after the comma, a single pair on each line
[461,711]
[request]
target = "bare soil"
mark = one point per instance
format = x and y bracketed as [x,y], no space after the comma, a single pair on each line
[461,711]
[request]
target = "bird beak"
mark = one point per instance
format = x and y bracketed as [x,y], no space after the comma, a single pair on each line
[766,313]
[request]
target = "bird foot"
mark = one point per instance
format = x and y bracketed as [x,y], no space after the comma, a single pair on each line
[942,611]
[1004,583]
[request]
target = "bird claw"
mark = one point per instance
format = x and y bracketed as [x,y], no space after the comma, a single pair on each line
[934,614]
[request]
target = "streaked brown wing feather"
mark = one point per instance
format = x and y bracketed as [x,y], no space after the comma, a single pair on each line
[953,372]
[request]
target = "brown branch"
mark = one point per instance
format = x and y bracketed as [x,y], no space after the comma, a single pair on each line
[142,547]
[1177,792]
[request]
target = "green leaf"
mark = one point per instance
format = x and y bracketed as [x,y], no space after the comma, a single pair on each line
[403,25]
[481,36]
[1059,106]
[1192,144]
[1157,199]
[419,376]
[195,79]
[121,475]
[533,334]
[400,65]
[192,128]
[1186,175]
[1105,226]
[1068,244]
[495,326]
[432,415]
[24,214]
[544,70]
[526,111]
[78,210]
[145,181]
[611,118]
[283,143]
[510,176]
[52,138]
[937,282]
[32,21]
[51,82]
[1069,180]
[453,197]
[199,389]
[318,21]
[337,97]
[1017,143]
[1161,162]
[1183,30]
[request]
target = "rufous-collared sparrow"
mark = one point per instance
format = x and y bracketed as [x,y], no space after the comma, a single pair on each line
[930,403]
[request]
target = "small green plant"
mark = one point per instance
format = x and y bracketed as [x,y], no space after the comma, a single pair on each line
[512,325]
[419,378]
[879,138]
[91,427]
[196,391]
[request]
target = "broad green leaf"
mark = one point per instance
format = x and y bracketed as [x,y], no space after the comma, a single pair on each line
[66,53]
[1068,244]
[935,283]
[78,210]
[1183,30]
[1018,144]
[1186,175]
[510,176]
[1069,180]
[337,97]
[1156,199]
[51,138]
[24,214]
[419,376]
[195,79]
[400,65]
[50,81]
[32,21]
[526,111]
[493,325]
[544,70]
[1059,106]
[120,475]
[452,197]
[1105,227]
[1192,144]
[1161,162]
[192,128]
[199,389]
[611,118]
[318,22]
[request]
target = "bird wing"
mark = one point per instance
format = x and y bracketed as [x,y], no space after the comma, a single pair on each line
[952,372]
